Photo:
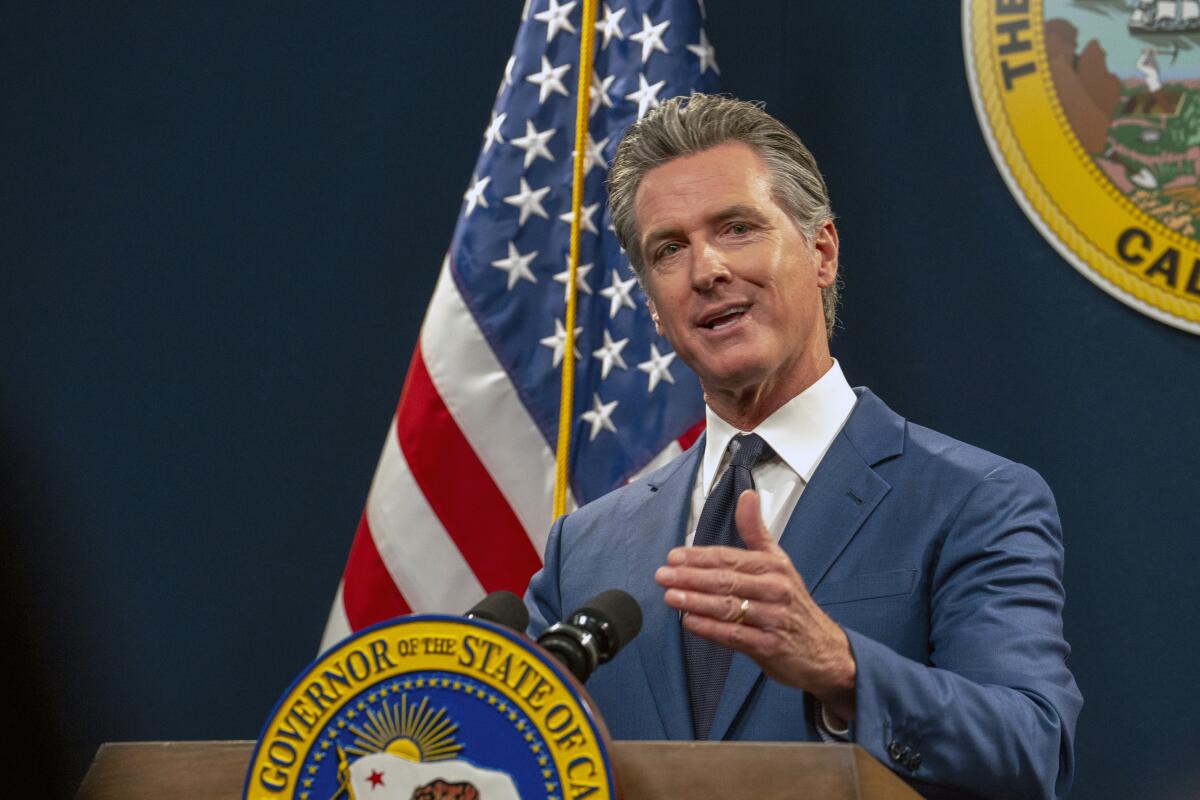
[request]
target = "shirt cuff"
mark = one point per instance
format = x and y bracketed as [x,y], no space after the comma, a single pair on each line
[826,728]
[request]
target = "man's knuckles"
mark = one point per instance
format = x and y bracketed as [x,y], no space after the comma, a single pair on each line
[728,557]
[778,589]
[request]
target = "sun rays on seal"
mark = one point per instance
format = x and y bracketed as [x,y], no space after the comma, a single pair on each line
[414,733]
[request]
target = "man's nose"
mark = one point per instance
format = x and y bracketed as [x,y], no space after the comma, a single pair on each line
[708,267]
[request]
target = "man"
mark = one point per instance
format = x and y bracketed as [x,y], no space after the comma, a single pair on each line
[882,584]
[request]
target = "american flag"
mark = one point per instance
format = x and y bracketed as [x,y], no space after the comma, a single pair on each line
[461,501]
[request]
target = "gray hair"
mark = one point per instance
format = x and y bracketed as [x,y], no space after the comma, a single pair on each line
[685,125]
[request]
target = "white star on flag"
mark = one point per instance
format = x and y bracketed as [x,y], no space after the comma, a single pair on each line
[555,18]
[558,342]
[599,94]
[646,96]
[650,36]
[594,155]
[492,134]
[600,416]
[529,201]
[585,218]
[706,53]
[610,26]
[534,143]
[474,195]
[609,354]
[618,294]
[581,284]
[508,68]
[658,367]
[549,80]
[516,265]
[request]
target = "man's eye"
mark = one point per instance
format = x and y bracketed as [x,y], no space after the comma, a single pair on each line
[668,250]
[739,228]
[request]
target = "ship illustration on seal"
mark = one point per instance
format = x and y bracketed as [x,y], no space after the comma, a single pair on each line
[1165,16]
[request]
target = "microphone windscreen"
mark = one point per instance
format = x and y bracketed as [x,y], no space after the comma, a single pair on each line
[620,610]
[502,608]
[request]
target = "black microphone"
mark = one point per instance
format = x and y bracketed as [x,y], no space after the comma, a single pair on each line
[595,633]
[503,608]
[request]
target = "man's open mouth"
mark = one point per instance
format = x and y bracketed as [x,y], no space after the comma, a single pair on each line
[724,318]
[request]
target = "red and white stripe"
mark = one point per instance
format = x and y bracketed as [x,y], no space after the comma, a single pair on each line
[461,501]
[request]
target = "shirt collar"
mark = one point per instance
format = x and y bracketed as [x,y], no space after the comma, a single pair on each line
[799,432]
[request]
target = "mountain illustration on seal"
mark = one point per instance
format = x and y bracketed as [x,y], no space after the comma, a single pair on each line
[1127,76]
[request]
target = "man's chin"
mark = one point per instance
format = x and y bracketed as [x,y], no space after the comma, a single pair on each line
[734,380]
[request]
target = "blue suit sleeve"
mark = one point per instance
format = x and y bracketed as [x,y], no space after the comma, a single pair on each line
[543,598]
[993,711]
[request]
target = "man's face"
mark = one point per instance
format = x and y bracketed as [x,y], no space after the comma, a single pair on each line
[734,284]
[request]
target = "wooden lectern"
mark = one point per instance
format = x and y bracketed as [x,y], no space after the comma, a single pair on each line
[645,771]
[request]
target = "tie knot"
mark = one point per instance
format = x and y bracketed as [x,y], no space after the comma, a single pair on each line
[749,450]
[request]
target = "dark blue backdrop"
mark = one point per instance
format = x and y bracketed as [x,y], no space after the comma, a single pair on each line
[220,226]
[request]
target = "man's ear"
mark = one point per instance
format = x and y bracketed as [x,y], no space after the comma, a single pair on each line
[654,316]
[825,248]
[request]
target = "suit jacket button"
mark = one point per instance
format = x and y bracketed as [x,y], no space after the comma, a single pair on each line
[914,761]
[896,752]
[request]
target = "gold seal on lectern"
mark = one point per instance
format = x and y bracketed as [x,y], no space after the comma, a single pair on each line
[432,708]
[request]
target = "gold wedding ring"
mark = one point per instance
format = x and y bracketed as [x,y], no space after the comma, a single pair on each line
[741,615]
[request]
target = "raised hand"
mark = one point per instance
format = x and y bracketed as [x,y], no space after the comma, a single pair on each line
[755,601]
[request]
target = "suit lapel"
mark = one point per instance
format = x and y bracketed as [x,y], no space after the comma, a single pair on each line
[837,501]
[663,517]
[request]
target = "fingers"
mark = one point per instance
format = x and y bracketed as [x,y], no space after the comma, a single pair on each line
[707,614]
[729,558]
[725,608]
[772,588]
[748,518]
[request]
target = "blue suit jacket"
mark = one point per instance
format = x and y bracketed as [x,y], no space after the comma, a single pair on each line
[942,562]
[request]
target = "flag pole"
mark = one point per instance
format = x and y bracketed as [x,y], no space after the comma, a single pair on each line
[566,397]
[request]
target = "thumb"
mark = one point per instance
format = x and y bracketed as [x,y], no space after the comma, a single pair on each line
[748,518]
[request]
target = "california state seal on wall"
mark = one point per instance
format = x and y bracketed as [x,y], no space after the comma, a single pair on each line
[1091,109]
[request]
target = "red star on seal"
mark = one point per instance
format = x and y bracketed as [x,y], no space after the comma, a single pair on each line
[376,779]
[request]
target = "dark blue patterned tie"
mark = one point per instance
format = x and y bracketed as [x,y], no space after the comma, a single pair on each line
[706,662]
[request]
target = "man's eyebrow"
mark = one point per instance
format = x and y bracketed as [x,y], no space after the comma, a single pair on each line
[662,234]
[724,215]
[733,212]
